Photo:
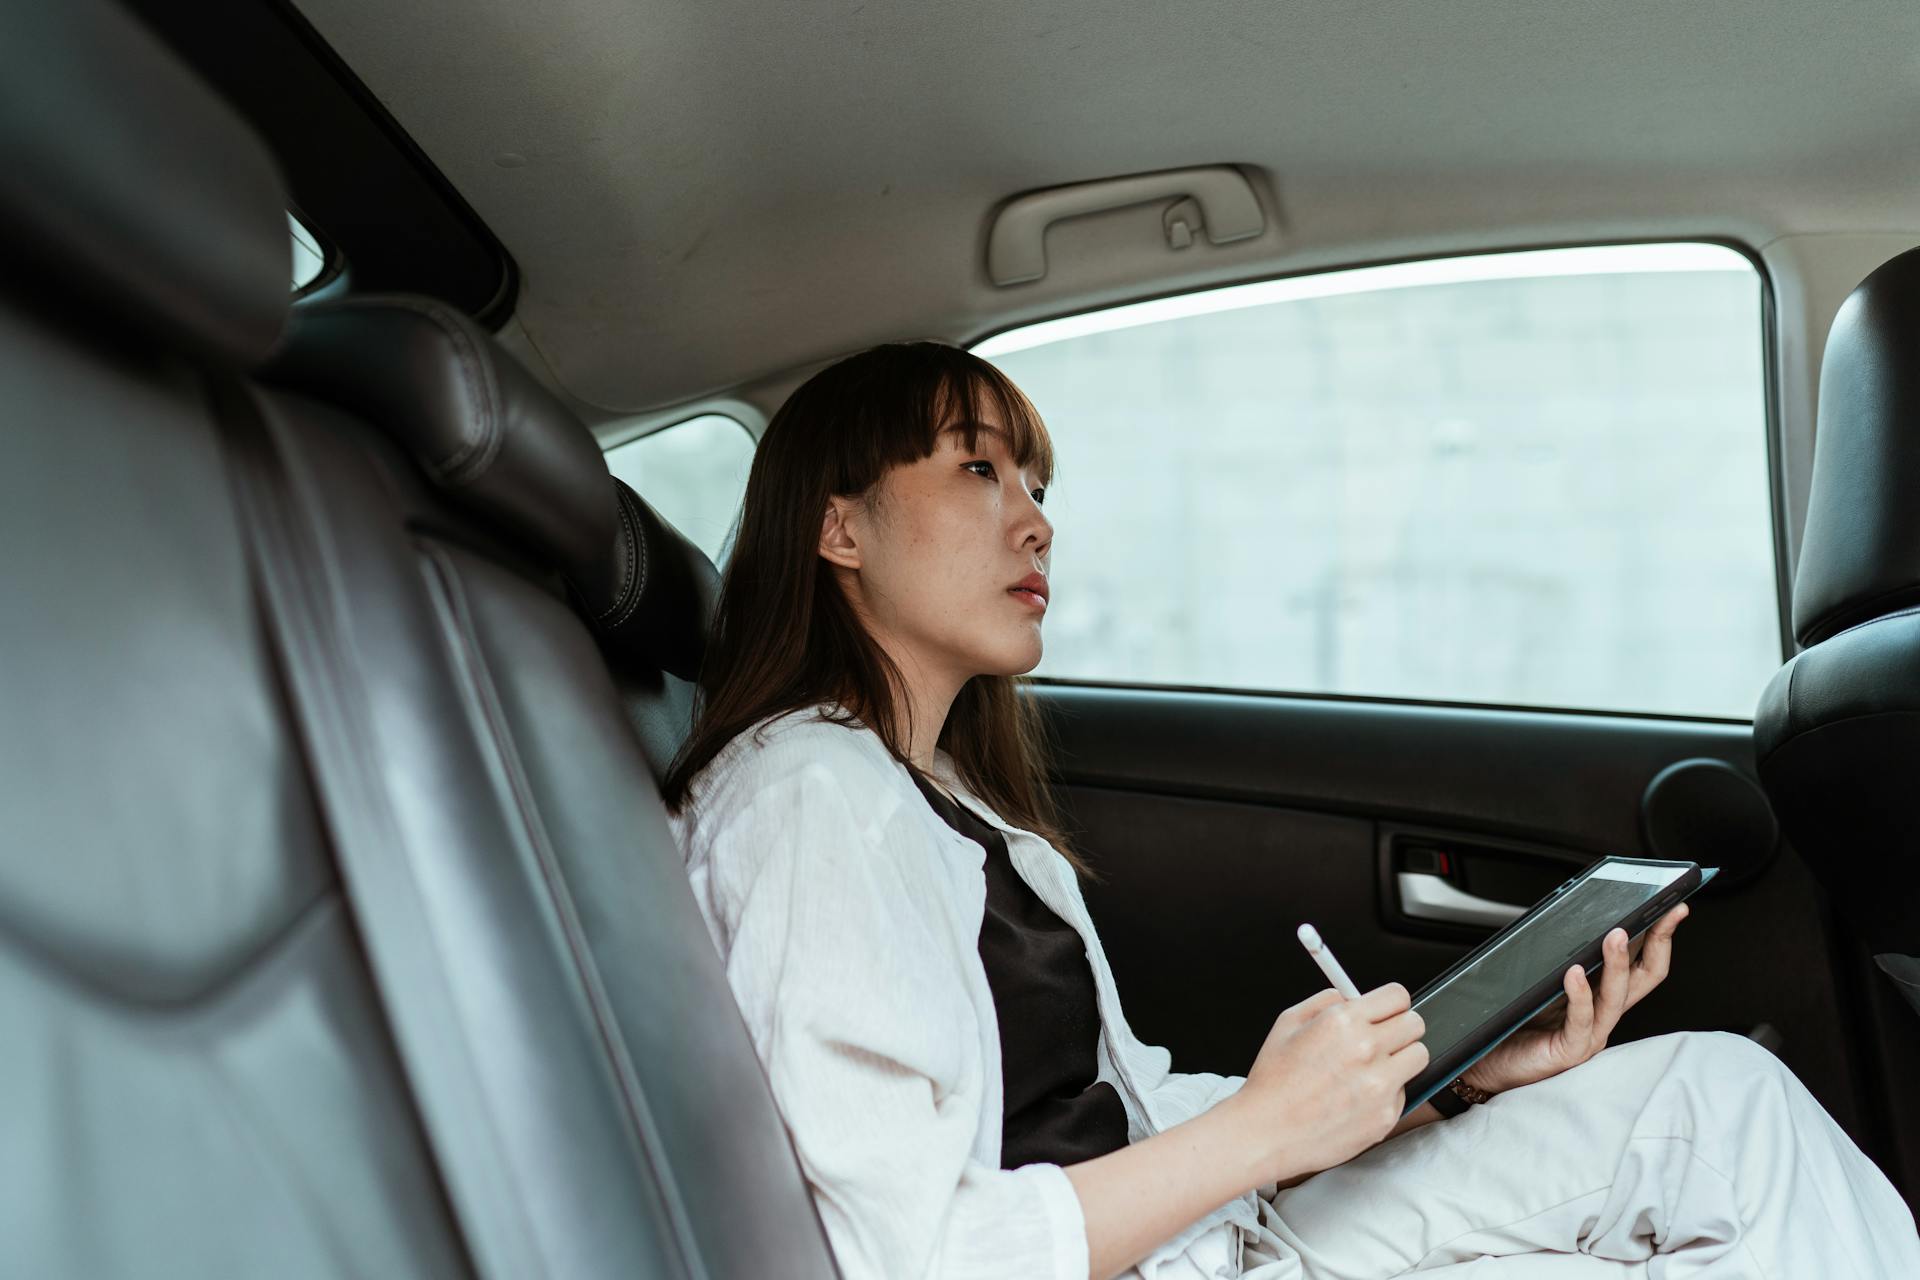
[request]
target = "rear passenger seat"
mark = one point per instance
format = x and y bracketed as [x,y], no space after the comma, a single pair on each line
[206,1067]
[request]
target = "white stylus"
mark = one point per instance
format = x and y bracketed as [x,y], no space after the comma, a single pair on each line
[1310,939]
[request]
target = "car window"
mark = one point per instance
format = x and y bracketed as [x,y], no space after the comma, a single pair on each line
[694,473]
[309,260]
[1535,479]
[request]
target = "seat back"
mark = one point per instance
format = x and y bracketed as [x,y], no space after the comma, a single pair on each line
[625,1048]
[1837,733]
[200,1073]
[196,1078]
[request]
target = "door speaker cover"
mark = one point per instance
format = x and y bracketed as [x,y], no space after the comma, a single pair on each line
[1710,812]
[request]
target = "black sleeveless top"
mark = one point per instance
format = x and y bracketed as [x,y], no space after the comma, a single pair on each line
[1055,1112]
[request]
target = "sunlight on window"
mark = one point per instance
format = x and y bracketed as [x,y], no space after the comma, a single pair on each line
[308,259]
[694,473]
[1531,479]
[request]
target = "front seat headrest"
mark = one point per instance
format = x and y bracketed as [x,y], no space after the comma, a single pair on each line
[504,448]
[1860,556]
[150,207]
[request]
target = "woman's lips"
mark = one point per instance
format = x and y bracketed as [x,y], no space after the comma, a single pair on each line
[1032,590]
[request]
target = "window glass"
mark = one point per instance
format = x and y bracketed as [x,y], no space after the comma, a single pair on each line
[694,473]
[1531,478]
[308,258]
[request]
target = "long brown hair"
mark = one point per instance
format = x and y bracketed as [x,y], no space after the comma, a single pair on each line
[784,636]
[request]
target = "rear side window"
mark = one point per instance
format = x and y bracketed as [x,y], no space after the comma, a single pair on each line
[694,473]
[1533,479]
[309,259]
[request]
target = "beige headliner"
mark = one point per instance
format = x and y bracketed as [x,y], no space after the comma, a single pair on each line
[707,192]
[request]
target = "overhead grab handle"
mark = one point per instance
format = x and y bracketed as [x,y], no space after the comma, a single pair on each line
[1217,198]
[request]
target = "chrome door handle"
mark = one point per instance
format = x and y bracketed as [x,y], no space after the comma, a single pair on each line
[1430,897]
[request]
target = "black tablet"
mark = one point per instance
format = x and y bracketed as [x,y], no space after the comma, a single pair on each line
[1513,976]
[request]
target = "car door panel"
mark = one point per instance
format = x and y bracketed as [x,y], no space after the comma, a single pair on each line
[1217,822]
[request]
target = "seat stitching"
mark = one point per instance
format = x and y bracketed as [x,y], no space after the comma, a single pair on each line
[639,557]
[627,562]
[646,561]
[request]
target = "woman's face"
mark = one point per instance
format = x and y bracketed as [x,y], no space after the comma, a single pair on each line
[941,558]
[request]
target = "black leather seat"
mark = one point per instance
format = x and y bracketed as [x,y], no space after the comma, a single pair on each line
[645,590]
[205,1067]
[1837,732]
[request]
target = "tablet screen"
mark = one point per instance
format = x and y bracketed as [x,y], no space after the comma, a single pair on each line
[1550,939]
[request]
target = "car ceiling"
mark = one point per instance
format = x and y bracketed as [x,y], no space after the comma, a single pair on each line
[699,194]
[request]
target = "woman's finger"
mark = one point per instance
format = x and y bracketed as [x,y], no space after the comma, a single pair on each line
[1611,1000]
[1579,1023]
[1664,928]
[1656,955]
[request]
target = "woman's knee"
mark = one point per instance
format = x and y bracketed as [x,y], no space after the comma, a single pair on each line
[1723,1056]
[1726,1057]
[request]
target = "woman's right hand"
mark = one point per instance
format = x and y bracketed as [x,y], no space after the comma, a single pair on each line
[1330,1081]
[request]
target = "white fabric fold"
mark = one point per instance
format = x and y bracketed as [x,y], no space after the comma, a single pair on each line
[848,915]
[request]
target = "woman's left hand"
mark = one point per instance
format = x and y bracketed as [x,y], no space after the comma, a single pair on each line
[1536,1052]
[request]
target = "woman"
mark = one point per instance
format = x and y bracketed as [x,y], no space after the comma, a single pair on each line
[864,815]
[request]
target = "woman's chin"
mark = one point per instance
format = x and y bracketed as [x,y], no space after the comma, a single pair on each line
[1022,658]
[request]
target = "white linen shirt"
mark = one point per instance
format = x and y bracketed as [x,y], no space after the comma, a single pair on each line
[848,916]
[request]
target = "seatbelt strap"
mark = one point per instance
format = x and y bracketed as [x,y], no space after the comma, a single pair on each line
[289,554]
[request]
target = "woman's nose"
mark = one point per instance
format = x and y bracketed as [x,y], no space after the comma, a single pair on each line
[1033,527]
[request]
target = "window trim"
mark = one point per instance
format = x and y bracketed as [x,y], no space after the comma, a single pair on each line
[347,161]
[1769,337]
[624,429]
[647,430]
[1380,700]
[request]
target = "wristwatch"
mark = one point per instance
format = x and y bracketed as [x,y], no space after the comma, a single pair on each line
[1457,1097]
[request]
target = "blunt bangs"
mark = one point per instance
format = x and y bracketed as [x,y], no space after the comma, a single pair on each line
[1026,437]
[893,403]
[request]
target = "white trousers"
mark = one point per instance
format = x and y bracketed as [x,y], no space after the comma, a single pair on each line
[1697,1154]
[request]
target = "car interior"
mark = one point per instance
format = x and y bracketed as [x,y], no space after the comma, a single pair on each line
[1492,432]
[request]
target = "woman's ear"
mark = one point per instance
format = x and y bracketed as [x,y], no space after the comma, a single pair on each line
[837,543]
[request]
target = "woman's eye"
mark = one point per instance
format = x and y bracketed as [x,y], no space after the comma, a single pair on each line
[1039,495]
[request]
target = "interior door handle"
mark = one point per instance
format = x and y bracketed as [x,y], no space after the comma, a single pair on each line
[1431,897]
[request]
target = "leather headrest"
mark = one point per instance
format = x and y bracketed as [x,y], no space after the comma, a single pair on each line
[133,194]
[502,447]
[1860,556]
